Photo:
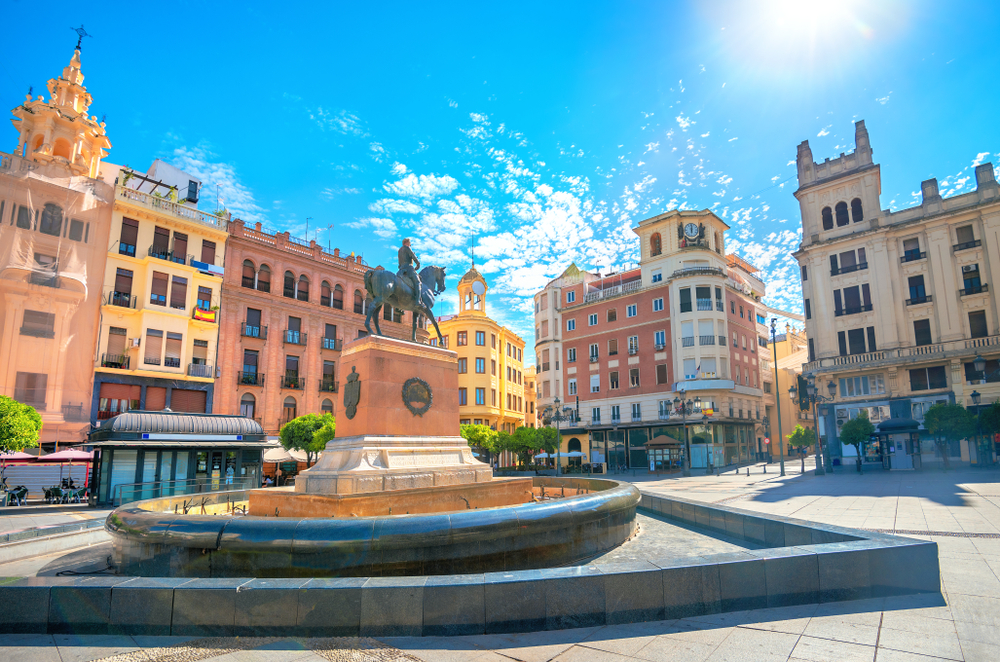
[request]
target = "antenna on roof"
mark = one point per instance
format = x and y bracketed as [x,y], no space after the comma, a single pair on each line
[81,33]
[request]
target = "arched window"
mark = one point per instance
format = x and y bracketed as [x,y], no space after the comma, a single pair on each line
[338,297]
[327,406]
[303,292]
[827,218]
[857,213]
[52,218]
[324,294]
[264,279]
[655,244]
[249,273]
[289,290]
[359,302]
[289,411]
[61,149]
[247,405]
[842,218]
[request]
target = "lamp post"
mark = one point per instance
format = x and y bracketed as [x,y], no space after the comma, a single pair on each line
[685,408]
[812,396]
[558,414]
[777,392]
[977,397]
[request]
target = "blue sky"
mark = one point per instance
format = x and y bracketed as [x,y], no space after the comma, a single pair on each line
[536,133]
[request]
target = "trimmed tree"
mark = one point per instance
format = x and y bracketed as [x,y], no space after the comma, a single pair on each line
[855,432]
[949,423]
[300,434]
[20,425]
[523,443]
[481,437]
[802,438]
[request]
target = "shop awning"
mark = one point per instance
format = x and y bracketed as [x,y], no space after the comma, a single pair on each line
[168,428]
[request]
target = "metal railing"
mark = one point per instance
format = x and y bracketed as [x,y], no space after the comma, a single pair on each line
[254,331]
[167,255]
[250,378]
[637,418]
[328,385]
[853,310]
[704,304]
[126,249]
[632,351]
[952,348]
[919,300]
[119,361]
[659,347]
[123,299]
[594,358]
[45,279]
[172,362]
[911,256]
[965,245]
[976,289]
[687,341]
[73,412]
[335,344]
[722,341]
[698,271]
[129,492]
[291,379]
[706,340]
[851,268]
[294,337]
[200,370]
[248,282]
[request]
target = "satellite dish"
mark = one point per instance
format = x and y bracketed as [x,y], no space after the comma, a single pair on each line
[478,288]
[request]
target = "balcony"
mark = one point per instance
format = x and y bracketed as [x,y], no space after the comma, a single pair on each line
[719,306]
[664,416]
[722,341]
[615,420]
[250,378]
[120,299]
[200,370]
[851,268]
[974,289]
[294,337]
[594,358]
[966,245]
[853,310]
[632,351]
[966,348]
[704,304]
[698,271]
[73,413]
[706,340]
[637,418]
[291,379]
[249,331]
[916,301]
[204,313]
[166,206]
[336,344]
[248,282]
[912,256]
[172,362]
[687,341]
[545,367]
[612,292]
[161,253]
[126,249]
[119,361]
[44,278]
[328,385]
[38,332]
[659,347]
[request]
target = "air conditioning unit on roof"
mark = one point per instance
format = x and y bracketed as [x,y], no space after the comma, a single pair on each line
[969,268]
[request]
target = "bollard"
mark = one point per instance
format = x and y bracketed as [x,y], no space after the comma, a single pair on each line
[748,472]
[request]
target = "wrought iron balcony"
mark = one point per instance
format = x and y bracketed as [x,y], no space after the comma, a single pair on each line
[254,331]
[335,344]
[916,301]
[328,385]
[632,351]
[974,289]
[853,310]
[704,304]
[44,278]
[163,254]
[126,249]
[594,358]
[966,245]
[851,268]
[706,340]
[637,418]
[722,341]
[119,361]
[615,420]
[291,379]
[122,299]
[172,362]
[200,370]
[294,337]
[151,360]
[38,331]
[248,282]
[250,378]
[660,347]
[687,342]
[912,256]
[73,413]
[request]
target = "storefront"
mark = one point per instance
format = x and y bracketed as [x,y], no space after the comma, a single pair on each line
[896,444]
[167,452]
[661,448]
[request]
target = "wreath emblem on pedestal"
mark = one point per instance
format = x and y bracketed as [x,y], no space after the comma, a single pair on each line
[417,396]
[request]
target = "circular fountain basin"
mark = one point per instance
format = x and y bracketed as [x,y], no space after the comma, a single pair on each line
[575,520]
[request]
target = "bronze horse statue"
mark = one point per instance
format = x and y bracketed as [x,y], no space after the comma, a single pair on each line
[388,289]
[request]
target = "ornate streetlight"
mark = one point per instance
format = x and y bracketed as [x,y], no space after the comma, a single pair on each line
[812,396]
[558,414]
[685,408]
[777,392]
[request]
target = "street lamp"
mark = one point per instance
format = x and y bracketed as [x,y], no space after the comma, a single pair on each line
[777,391]
[812,396]
[685,408]
[555,413]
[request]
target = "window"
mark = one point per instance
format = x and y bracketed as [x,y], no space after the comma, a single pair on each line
[302,293]
[827,215]
[808,310]
[636,411]
[30,389]
[38,324]
[592,320]
[965,235]
[493,393]
[741,312]
[158,289]
[463,338]
[922,332]
[289,409]
[178,293]
[842,217]
[736,340]
[571,325]
[153,347]
[52,218]
[690,369]
[545,333]
[633,378]
[481,338]
[595,384]
[480,396]
[595,415]
[719,306]
[812,350]
[732,307]
[660,339]
[631,310]
[977,324]
[661,373]
[593,351]
[862,385]
[655,245]
[481,366]
[685,294]
[289,285]
[805,272]
[572,387]
[613,380]
[129,237]
[923,379]
[852,300]
[493,367]
[612,314]
[657,276]
[463,366]
[857,213]
[571,355]
[616,413]
[264,279]
[570,296]
[704,296]
[761,319]
[545,301]
[613,347]
[911,249]
[179,254]
[208,251]
[204,297]
[633,345]
[971,280]
[324,293]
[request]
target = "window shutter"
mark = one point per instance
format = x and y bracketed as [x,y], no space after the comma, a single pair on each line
[130,231]
[116,341]
[208,251]
[180,246]
[123,282]
[173,348]
[661,373]
[156,398]
[200,350]
[154,344]
[161,239]
[158,291]
[187,400]
[178,293]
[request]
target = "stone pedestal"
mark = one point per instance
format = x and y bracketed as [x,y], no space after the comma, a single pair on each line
[398,428]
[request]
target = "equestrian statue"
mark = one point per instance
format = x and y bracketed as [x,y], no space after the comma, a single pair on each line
[404,290]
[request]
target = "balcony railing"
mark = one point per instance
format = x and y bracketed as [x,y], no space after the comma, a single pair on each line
[966,245]
[632,351]
[706,340]
[263,286]
[637,418]
[38,331]
[73,413]
[953,348]
[119,361]
[328,386]
[698,271]
[722,341]
[916,301]
[291,379]
[594,358]
[545,366]
[335,344]
[254,331]
[659,347]
[250,378]
[165,205]
[122,299]
[664,416]
[611,292]
[171,362]
[704,304]
[248,282]
[294,337]
[848,269]
[912,256]
[853,310]
[719,306]
[687,341]
[974,289]
[44,278]
[163,254]
[615,420]
[200,370]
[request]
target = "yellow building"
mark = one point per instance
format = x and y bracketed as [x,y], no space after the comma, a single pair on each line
[792,350]
[530,398]
[158,334]
[490,360]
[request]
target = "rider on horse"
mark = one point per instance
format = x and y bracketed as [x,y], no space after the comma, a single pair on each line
[407,272]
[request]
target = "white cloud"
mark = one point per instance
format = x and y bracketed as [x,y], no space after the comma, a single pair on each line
[331,192]
[376,151]
[389,206]
[652,147]
[422,186]
[684,122]
[218,179]
[884,100]
[399,169]
[381,227]
[825,131]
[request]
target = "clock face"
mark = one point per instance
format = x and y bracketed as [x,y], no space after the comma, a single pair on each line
[691,231]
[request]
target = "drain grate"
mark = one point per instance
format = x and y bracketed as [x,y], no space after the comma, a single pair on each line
[947,534]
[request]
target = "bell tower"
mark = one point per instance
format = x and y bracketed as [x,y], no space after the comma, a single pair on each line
[472,293]
[59,131]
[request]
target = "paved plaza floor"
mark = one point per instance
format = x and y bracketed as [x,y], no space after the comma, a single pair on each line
[960,510]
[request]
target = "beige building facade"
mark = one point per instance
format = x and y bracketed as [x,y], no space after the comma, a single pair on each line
[898,304]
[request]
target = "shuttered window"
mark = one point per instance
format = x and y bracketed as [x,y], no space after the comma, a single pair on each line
[199,353]
[116,341]
[130,235]
[154,347]
[173,353]
[156,399]
[178,293]
[123,282]
[204,297]
[161,239]
[180,247]
[661,373]
[188,400]
[158,290]
[207,251]
[331,331]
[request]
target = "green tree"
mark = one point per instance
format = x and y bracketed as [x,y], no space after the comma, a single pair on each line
[300,434]
[524,443]
[503,442]
[480,436]
[989,419]
[547,439]
[802,438]
[857,431]
[949,423]
[20,425]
